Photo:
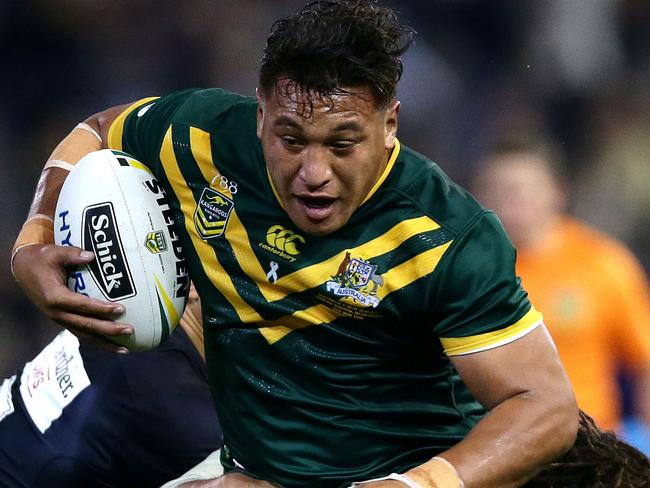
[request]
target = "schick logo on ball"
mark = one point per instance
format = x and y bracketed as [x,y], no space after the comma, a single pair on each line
[109,269]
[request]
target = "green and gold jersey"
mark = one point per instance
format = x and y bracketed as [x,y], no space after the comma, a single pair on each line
[328,356]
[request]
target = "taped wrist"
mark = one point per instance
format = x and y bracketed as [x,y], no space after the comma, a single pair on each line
[82,140]
[38,229]
[436,473]
[393,476]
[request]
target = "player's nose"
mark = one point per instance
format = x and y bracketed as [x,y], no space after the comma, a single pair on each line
[316,168]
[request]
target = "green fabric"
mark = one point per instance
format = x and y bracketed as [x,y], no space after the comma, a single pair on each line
[370,391]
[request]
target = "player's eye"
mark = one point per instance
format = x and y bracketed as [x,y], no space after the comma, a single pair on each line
[344,145]
[292,142]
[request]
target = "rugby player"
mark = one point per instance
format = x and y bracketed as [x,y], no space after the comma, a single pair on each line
[362,318]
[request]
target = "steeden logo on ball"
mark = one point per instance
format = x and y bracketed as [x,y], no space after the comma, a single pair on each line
[110,270]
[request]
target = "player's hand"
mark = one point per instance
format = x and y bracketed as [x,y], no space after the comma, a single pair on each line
[230,480]
[40,270]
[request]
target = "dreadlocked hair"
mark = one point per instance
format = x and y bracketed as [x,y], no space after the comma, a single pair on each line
[598,459]
[331,44]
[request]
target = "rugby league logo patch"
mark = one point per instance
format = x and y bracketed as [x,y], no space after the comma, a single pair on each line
[212,213]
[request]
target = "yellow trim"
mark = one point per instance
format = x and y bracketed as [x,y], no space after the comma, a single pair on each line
[211,266]
[275,192]
[386,172]
[464,345]
[171,310]
[116,130]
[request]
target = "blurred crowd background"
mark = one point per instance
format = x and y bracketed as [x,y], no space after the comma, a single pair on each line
[574,71]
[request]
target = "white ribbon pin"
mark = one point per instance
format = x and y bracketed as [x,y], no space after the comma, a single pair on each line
[272,275]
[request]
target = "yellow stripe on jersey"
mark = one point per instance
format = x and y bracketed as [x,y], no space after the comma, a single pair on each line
[386,172]
[455,346]
[394,279]
[274,330]
[316,274]
[237,235]
[116,130]
[409,271]
[211,266]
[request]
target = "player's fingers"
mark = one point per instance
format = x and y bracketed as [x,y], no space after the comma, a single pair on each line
[92,325]
[60,298]
[68,255]
[76,302]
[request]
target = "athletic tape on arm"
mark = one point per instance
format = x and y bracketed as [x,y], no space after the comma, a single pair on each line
[82,140]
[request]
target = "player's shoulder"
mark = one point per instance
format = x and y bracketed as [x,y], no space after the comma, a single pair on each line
[205,106]
[433,192]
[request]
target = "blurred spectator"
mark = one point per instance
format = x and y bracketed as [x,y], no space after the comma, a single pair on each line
[614,194]
[592,291]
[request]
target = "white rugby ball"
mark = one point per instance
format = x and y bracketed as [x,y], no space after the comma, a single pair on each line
[112,205]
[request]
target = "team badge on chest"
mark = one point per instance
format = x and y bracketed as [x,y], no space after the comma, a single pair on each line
[356,280]
[212,213]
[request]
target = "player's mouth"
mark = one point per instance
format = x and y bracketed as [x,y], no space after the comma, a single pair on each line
[316,207]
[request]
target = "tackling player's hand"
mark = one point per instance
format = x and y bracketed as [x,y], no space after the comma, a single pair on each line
[231,480]
[40,270]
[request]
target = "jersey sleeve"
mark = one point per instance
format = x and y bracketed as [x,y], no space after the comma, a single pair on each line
[140,129]
[480,303]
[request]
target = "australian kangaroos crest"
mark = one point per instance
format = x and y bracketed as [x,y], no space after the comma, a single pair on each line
[212,213]
[358,280]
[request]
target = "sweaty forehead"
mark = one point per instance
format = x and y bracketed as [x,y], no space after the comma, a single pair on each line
[289,101]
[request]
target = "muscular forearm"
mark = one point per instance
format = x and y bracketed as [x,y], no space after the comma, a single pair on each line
[533,416]
[47,191]
[509,444]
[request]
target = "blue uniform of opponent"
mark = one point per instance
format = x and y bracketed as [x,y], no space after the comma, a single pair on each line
[78,416]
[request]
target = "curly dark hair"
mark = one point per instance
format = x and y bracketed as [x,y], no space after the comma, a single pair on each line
[332,44]
[598,459]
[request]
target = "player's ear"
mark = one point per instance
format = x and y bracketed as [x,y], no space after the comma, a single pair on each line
[259,93]
[390,124]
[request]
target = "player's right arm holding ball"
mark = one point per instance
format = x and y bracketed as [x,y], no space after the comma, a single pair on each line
[39,266]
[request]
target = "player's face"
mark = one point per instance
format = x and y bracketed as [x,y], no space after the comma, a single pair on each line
[324,162]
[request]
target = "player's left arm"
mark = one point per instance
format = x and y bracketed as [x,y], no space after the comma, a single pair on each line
[532,419]
[513,369]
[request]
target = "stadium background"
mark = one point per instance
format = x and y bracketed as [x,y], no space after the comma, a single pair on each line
[574,70]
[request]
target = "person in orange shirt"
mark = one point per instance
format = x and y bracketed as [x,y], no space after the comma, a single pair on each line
[592,291]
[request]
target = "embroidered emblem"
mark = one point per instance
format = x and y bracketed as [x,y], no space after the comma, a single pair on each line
[212,213]
[155,242]
[282,242]
[358,280]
